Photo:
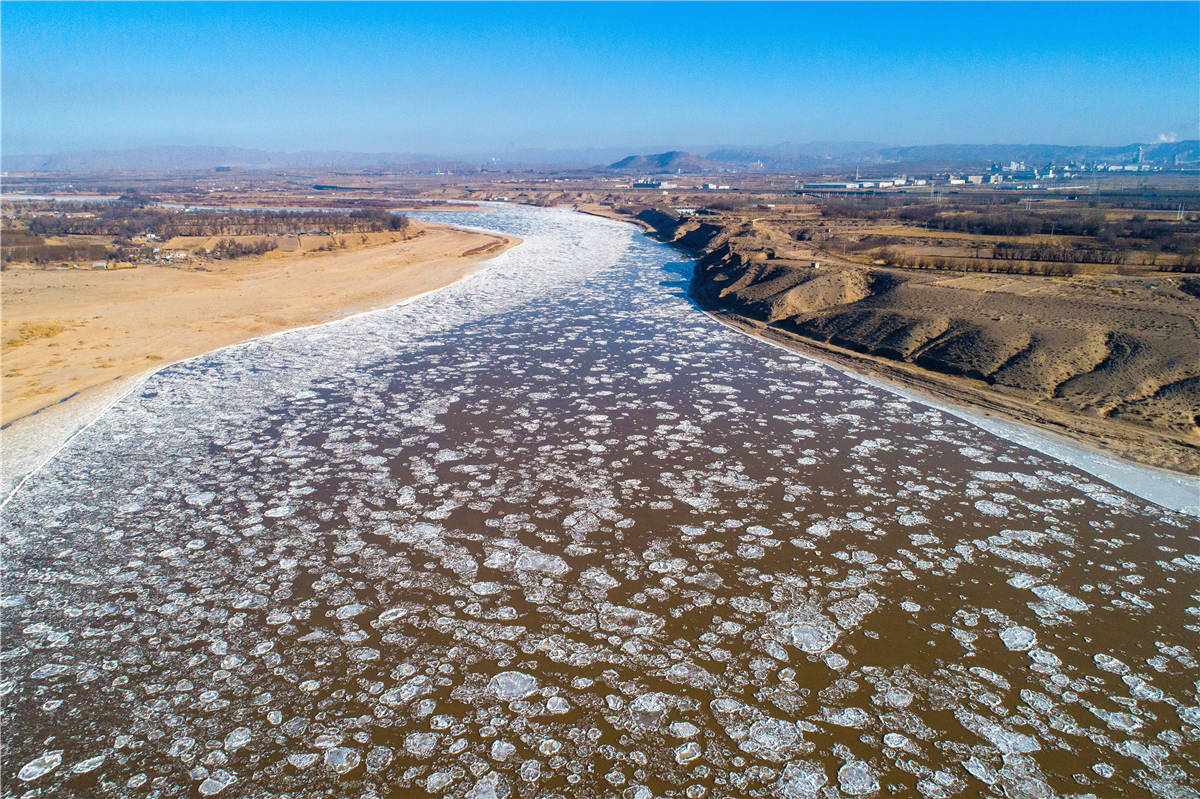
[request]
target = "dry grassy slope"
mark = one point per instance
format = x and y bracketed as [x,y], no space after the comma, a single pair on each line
[1119,348]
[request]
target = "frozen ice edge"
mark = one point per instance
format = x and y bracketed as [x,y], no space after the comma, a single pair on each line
[88,415]
[39,435]
[1169,490]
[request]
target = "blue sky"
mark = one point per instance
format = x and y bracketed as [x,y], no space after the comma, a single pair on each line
[448,78]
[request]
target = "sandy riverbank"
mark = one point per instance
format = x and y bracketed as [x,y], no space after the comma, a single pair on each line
[1164,449]
[74,340]
[1106,438]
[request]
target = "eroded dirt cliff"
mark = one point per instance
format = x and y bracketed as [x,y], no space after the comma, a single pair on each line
[1119,354]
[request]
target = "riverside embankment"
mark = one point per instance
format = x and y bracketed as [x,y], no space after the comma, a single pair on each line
[1113,363]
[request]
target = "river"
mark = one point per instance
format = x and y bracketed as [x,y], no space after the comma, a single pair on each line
[551,531]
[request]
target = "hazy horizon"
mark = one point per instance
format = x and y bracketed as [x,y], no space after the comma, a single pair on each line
[449,79]
[598,153]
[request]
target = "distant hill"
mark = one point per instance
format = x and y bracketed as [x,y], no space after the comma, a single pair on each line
[792,155]
[828,156]
[177,157]
[831,155]
[671,162]
[789,156]
[1165,152]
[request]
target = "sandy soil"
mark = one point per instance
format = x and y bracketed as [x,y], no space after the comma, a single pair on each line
[71,335]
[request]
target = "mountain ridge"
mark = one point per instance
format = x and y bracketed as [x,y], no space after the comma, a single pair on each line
[810,156]
[672,161]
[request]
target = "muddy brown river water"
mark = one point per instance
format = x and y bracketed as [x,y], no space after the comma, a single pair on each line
[554,532]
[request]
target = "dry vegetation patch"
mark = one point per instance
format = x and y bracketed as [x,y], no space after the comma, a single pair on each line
[32,331]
